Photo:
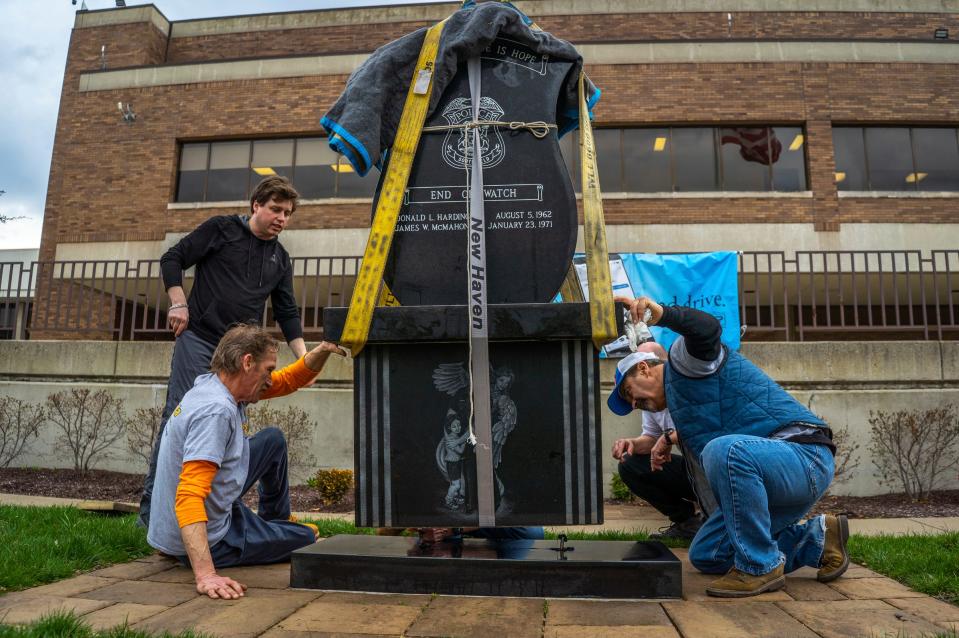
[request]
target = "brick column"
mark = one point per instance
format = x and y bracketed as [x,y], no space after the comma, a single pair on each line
[819,149]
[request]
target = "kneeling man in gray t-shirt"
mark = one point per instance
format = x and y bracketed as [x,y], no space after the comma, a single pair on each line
[206,464]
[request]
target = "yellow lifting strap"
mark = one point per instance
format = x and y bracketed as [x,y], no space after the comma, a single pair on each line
[370,278]
[601,316]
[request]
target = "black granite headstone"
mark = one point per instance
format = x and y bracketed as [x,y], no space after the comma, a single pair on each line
[474,567]
[538,460]
[415,466]
[530,206]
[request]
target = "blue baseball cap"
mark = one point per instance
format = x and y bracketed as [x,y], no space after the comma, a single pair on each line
[617,404]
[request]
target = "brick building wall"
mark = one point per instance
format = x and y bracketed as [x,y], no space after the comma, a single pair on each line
[634,27]
[116,180]
[110,181]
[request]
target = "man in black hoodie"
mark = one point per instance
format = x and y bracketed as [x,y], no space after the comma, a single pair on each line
[239,263]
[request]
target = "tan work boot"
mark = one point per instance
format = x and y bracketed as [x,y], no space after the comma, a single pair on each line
[737,584]
[835,558]
[314,528]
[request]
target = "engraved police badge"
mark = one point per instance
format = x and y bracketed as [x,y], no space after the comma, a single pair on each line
[457,147]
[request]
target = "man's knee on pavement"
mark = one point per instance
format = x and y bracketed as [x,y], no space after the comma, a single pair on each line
[703,558]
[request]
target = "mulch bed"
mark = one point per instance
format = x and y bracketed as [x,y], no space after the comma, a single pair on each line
[116,486]
[942,503]
[100,485]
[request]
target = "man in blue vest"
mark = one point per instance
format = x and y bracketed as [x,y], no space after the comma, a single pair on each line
[767,459]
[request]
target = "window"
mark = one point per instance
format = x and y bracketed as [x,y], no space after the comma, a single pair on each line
[695,159]
[646,151]
[228,177]
[193,165]
[896,158]
[937,159]
[228,171]
[850,152]
[889,158]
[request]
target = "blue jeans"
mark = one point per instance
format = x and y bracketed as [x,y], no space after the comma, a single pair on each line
[267,536]
[764,487]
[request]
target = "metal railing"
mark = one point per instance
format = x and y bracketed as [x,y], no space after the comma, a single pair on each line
[806,295]
[842,294]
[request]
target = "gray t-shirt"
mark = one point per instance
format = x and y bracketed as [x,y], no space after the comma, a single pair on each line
[206,426]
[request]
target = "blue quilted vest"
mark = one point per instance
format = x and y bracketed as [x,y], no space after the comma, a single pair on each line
[739,398]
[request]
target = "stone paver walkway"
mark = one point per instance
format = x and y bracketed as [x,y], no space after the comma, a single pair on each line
[156,594]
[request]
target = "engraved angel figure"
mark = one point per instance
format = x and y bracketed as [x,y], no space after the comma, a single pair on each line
[504,417]
[451,379]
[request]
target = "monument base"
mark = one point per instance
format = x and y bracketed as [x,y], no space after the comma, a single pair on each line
[476,567]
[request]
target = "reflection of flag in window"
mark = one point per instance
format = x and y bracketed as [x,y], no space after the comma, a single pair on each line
[755,144]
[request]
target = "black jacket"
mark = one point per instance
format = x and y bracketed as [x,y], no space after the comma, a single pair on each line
[235,272]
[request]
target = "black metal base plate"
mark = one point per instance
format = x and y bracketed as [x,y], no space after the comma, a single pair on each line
[475,567]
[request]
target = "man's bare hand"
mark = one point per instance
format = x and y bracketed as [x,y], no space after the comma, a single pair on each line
[622,447]
[177,320]
[326,346]
[638,307]
[216,586]
[661,454]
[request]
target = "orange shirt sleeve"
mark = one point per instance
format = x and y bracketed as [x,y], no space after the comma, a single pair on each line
[289,379]
[196,480]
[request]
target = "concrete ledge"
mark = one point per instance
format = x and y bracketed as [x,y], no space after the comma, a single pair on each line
[58,358]
[244,205]
[708,195]
[128,15]
[644,53]
[143,360]
[435,12]
[776,52]
[950,360]
[221,72]
[844,362]
[901,362]
[907,363]
[899,194]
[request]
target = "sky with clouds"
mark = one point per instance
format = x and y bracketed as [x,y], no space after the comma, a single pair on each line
[34,35]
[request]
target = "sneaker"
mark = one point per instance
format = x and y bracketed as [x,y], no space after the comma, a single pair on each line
[835,558]
[684,530]
[737,584]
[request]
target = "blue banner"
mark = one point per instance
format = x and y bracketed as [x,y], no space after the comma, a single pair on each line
[705,281]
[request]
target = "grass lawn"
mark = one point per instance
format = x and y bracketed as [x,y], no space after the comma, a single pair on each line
[39,545]
[67,625]
[42,544]
[928,564]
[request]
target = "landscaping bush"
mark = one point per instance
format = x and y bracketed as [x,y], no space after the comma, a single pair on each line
[297,428]
[847,457]
[89,423]
[619,491]
[915,449]
[333,485]
[20,422]
[143,430]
